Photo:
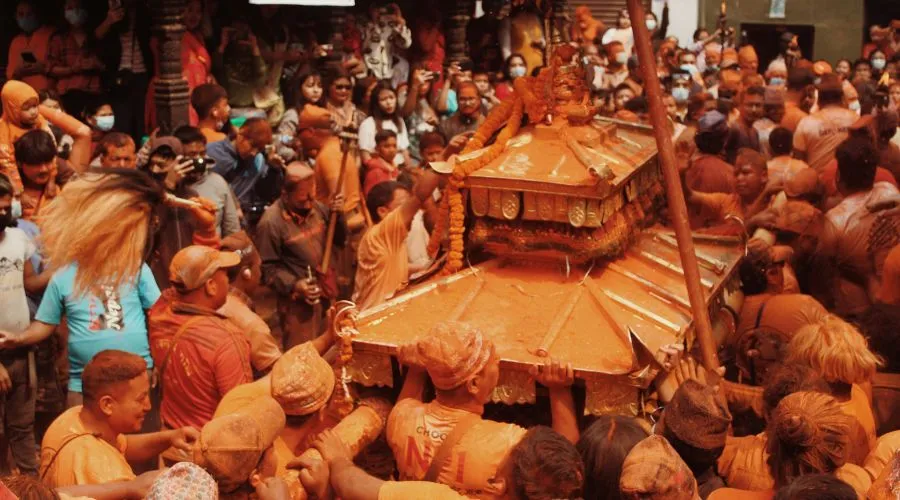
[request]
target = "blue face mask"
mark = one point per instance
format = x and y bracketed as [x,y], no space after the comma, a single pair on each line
[776,81]
[681,94]
[690,68]
[76,17]
[879,64]
[28,24]
[106,123]
[517,72]
[16,208]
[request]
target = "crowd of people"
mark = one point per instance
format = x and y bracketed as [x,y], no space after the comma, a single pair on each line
[171,298]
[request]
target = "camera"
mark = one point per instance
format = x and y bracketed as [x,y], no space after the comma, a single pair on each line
[201,165]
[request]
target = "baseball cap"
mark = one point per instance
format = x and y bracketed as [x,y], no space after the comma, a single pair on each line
[194,265]
[710,121]
[166,141]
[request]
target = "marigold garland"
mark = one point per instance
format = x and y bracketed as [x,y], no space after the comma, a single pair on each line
[452,215]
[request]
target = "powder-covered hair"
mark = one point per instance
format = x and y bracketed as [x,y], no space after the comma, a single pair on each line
[101,222]
[835,349]
[107,369]
[807,433]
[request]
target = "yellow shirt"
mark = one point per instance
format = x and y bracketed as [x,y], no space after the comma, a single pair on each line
[70,455]
[416,430]
[884,450]
[383,262]
[404,490]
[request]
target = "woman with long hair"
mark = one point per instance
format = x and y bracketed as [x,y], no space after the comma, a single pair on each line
[603,447]
[384,115]
[306,96]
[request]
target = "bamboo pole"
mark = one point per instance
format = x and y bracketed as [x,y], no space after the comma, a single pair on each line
[677,207]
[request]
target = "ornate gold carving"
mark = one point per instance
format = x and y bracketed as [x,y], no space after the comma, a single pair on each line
[370,369]
[605,396]
[510,205]
[514,387]
[577,211]
[495,199]
[479,201]
[593,218]
[545,206]
[561,209]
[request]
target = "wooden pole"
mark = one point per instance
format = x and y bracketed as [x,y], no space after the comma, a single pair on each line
[675,197]
[332,219]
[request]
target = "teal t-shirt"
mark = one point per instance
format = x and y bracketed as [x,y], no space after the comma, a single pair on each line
[117,320]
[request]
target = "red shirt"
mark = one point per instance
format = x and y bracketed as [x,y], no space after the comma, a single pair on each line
[829,177]
[378,171]
[210,358]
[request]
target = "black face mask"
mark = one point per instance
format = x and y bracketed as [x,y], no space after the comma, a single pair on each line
[7,220]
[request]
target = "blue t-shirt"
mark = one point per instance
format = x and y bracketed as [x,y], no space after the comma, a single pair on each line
[242,175]
[115,321]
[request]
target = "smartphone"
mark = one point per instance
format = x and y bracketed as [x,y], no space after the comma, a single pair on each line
[29,58]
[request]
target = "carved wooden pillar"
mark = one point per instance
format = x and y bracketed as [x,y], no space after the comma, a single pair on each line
[459,12]
[560,30]
[171,89]
[336,19]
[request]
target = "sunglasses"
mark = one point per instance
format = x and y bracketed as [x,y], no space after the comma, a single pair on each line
[343,87]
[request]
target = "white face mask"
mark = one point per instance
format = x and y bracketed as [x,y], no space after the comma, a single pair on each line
[855,106]
[651,24]
[622,58]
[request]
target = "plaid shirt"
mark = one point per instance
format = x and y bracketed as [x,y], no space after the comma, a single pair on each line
[65,52]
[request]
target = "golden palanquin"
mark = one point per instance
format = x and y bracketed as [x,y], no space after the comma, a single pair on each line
[573,276]
[611,319]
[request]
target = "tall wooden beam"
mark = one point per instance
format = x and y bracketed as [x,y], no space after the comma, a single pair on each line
[675,196]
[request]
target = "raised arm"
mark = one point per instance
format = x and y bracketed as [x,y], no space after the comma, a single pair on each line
[80,156]
[558,379]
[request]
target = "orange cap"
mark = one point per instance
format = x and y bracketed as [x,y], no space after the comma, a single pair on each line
[302,382]
[821,68]
[452,353]
[195,265]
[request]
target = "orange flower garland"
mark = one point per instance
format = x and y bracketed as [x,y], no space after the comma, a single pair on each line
[455,206]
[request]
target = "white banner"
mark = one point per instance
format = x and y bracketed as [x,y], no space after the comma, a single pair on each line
[316,3]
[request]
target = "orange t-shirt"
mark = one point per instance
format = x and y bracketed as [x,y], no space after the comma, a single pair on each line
[785,313]
[860,409]
[819,134]
[718,206]
[743,466]
[416,430]
[383,262]
[735,494]
[38,43]
[80,457]
[403,490]
[264,350]
[328,175]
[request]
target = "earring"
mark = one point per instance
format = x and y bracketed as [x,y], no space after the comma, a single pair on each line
[247,273]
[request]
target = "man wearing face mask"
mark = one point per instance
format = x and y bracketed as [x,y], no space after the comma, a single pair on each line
[617,69]
[681,92]
[469,117]
[291,241]
[28,51]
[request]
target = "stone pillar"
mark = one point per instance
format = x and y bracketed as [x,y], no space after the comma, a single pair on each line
[171,89]
[459,12]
